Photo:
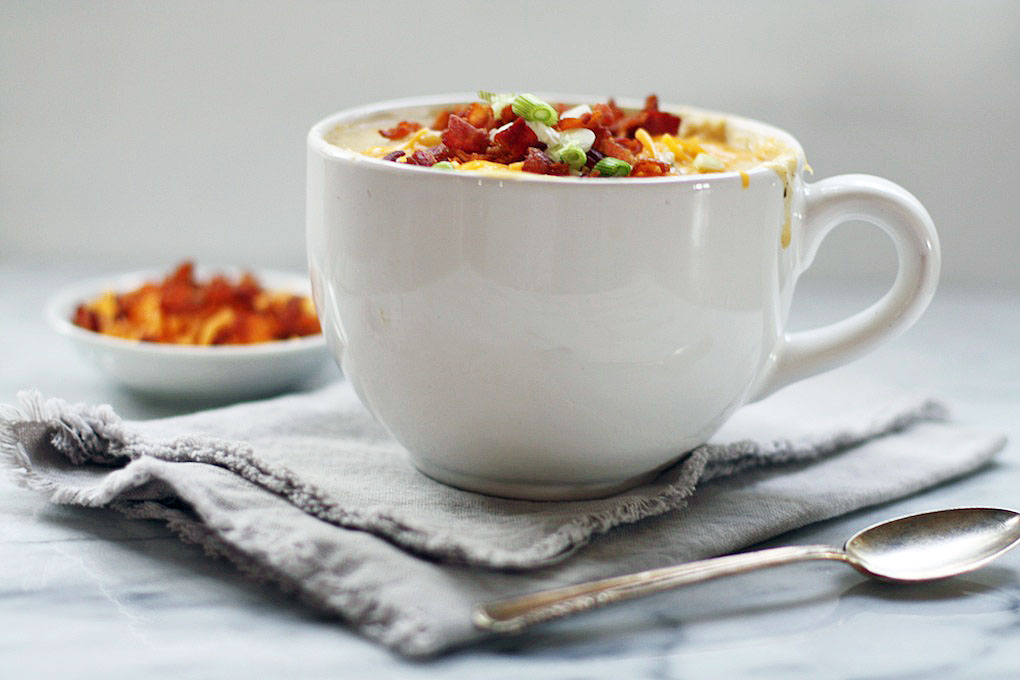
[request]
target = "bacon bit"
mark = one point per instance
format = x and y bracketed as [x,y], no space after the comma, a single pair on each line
[603,114]
[443,117]
[507,115]
[180,297]
[628,125]
[662,123]
[393,155]
[612,147]
[659,122]
[430,156]
[653,120]
[219,291]
[601,133]
[571,123]
[480,115]
[86,318]
[646,167]
[617,111]
[462,135]
[183,275]
[466,156]
[540,164]
[247,288]
[512,143]
[422,157]
[401,129]
[633,145]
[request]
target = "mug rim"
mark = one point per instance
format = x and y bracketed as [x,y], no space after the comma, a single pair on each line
[316,140]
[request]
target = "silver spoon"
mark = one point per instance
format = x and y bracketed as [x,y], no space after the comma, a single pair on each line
[915,548]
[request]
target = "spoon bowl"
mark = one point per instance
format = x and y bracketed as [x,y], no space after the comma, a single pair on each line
[911,549]
[933,545]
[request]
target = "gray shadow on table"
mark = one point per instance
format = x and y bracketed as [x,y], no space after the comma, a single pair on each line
[648,626]
[659,627]
[135,405]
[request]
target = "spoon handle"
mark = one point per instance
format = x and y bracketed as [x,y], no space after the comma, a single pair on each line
[516,614]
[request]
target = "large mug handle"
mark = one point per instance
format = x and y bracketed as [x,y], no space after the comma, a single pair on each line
[889,206]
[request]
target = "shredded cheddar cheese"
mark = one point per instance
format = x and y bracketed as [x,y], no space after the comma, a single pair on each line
[423,137]
[485,165]
[646,141]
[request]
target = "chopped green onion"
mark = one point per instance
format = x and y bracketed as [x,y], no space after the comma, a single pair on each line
[530,107]
[582,137]
[612,167]
[573,155]
[497,100]
[704,162]
[577,111]
[547,135]
[443,165]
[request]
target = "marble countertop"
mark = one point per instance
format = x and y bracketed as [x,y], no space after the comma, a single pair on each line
[87,593]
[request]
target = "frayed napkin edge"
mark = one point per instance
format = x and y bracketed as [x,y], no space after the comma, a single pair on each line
[95,434]
[416,637]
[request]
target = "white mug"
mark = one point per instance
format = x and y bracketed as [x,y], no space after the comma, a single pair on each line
[554,338]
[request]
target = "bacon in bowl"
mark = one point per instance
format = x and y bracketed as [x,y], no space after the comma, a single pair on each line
[187,351]
[184,311]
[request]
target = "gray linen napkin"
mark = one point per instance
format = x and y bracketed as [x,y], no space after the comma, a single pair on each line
[309,492]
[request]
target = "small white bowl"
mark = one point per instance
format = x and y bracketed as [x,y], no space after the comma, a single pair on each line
[214,373]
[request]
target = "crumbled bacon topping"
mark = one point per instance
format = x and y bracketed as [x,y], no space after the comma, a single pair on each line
[615,147]
[461,135]
[477,132]
[512,144]
[539,163]
[480,115]
[647,167]
[401,129]
[659,122]
[182,310]
[507,115]
[430,156]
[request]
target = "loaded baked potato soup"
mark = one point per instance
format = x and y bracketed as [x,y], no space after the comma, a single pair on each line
[514,133]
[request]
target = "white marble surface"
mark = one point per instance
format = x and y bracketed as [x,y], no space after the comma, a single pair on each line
[86,593]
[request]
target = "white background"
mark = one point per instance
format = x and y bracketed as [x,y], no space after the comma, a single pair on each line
[146,132]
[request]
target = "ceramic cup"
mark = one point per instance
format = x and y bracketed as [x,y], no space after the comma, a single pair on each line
[554,338]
